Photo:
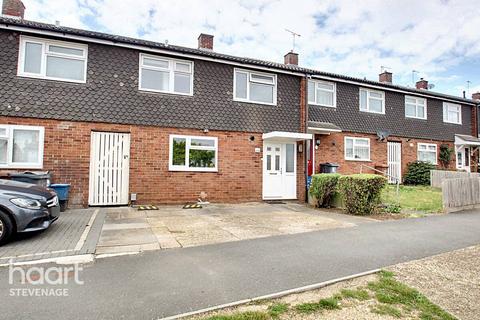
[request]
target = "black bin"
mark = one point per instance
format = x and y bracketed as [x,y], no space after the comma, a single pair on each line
[41,178]
[328,167]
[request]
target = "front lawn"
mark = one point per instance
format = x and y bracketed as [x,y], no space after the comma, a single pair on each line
[423,199]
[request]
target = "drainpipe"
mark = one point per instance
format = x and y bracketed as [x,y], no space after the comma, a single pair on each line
[307,76]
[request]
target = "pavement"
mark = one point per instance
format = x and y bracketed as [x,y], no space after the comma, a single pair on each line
[130,230]
[75,232]
[163,283]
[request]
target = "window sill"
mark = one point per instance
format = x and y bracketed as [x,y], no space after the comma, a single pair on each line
[28,76]
[366,111]
[415,118]
[192,170]
[358,160]
[321,105]
[457,123]
[255,102]
[166,92]
[21,166]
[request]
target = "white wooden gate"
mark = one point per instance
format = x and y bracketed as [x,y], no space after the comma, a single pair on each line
[394,159]
[109,168]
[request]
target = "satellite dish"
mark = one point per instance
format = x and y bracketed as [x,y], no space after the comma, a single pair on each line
[431,86]
[383,134]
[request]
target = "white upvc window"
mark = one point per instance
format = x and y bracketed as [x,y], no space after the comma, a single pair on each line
[21,147]
[166,75]
[357,149]
[452,113]
[52,60]
[322,93]
[255,87]
[427,152]
[191,153]
[415,107]
[372,101]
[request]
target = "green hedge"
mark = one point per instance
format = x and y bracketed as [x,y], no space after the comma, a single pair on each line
[418,173]
[323,188]
[361,192]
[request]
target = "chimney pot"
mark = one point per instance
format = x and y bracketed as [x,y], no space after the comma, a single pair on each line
[422,84]
[476,96]
[13,8]
[291,58]
[385,77]
[205,41]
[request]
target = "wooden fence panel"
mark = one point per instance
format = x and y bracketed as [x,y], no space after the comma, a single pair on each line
[437,176]
[461,193]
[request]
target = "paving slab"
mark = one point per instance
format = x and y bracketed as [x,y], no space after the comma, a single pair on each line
[173,227]
[69,235]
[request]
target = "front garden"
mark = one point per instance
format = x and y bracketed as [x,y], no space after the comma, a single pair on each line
[368,194]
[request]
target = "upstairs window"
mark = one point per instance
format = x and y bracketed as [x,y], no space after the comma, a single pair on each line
[255,87]
[357,149]
[189,153]
[427,152]
[415,107]
[158,74]
[372,101]
[452,113]
[21,147]
[54,60]
[322,93]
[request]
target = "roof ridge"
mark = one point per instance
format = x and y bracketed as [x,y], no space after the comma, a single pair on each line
[214,54]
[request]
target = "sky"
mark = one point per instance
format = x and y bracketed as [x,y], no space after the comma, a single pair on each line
[439,39]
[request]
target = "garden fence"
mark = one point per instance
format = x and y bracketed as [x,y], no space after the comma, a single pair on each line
[437,176]
[461,194]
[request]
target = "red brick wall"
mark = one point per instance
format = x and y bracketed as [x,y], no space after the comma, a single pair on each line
[239,178]
[331,149]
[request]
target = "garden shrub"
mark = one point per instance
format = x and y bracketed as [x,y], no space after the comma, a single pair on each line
[361,192]
[418,173]
[323,188]
[445,155]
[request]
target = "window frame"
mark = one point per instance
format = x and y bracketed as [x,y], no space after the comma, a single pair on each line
[417,105]
[188,139]
[9,137]
[249,80]
[334,91]
[426,146]
[446,106]
[46,43]
[354,139]
[368,91]
[171,73]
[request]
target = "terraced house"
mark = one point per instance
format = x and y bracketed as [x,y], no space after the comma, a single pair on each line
[122,119]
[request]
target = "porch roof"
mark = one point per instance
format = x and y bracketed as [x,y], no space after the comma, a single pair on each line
[286,136]
[323,127]
[465,140]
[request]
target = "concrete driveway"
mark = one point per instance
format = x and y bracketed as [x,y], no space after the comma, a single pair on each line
[130,230]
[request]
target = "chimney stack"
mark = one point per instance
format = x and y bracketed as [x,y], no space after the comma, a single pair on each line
[291,58]
[13,8]
[205,41]
[476,96]
[385,77]
[422,84]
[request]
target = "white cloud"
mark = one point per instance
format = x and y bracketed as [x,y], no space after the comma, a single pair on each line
[337,35]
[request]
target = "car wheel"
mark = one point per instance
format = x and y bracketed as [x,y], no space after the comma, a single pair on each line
[6,228]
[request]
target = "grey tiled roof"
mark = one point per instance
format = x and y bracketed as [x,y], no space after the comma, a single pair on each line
[214,55]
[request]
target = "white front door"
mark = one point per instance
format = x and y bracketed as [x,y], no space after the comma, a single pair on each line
[279,171]
[463,159]
[394,161]
[109,168]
